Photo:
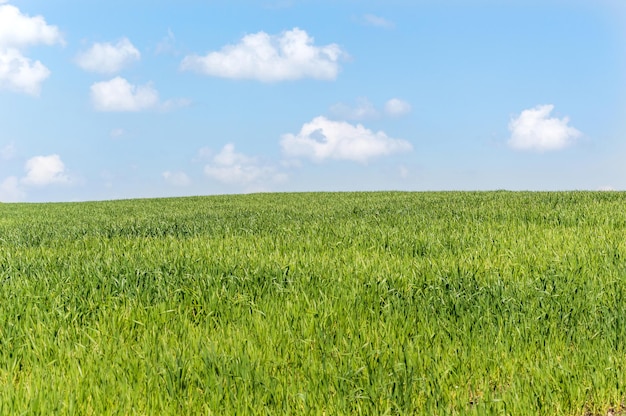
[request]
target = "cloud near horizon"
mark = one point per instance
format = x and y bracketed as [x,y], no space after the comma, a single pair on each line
[45,170]
[534,130]
[290,55]
[40,171]
[10,190]
[176,178]
[323,139]
[231,167]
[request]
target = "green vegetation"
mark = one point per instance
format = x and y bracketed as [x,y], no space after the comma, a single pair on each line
[357,303]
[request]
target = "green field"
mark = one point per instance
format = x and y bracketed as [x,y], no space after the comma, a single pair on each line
[435,303]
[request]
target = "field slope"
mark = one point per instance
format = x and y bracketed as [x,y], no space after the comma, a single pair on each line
[321,303]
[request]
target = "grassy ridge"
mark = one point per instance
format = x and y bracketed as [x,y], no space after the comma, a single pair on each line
[371,303]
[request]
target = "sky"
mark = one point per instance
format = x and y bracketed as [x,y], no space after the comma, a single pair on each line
[162,98]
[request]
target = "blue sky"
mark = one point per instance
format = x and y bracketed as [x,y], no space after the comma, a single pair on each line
[132,99]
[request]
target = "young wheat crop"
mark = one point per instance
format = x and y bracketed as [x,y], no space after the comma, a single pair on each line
[316,303]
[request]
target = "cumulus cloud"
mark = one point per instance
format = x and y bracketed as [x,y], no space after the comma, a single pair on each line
[176,178]
[269,58]
[17,31]
[397,107]
[45,170]
[373,20]
[231,167]
[120,95]
[10,190]
[108,58]
[323,139]
[19,73]
[534,130]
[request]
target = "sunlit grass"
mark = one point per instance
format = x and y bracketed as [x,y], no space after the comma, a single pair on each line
[356,303]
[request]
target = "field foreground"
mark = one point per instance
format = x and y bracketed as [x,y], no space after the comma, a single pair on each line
[322,303]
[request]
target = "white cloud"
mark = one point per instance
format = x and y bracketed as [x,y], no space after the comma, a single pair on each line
[45,170]
[326,139]
[176,178]
[120,95]
[534,130]
[231,167]
[108,58]
[10,190]
[377,21]
[363,110]
[18,30]
[397,107]
[17,72]
[270,58]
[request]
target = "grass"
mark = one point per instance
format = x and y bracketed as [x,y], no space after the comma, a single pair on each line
[321,303]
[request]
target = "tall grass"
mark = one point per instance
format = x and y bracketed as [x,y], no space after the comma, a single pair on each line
[321,303]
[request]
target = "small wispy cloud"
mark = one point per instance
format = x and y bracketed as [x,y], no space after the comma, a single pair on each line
[167,45]
[8,151]
[377,21]
[363,109]
[176,178]
[117,133]
[397,107]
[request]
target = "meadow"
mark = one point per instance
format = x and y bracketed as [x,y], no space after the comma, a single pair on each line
[434,303]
